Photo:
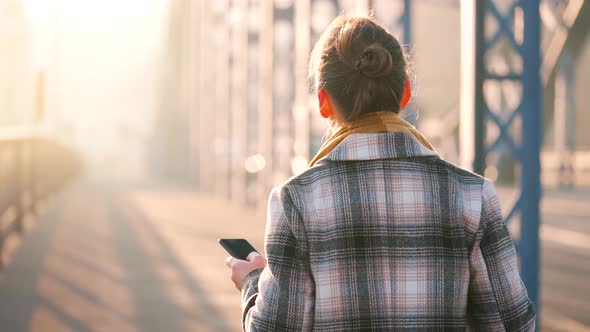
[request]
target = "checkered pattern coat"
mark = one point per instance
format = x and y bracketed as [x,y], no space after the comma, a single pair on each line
[382,234]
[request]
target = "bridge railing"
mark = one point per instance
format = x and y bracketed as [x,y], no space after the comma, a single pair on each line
[32,167]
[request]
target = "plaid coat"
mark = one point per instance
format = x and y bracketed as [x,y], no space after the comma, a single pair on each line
[382,234]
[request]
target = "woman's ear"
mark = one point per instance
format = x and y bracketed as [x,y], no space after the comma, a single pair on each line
[326,109]
[407,94]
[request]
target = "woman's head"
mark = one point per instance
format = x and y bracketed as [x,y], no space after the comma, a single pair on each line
[360,66]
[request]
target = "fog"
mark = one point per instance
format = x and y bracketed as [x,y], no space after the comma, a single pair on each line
[101,61]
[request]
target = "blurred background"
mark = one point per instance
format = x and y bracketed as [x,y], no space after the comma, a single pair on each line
[133,134]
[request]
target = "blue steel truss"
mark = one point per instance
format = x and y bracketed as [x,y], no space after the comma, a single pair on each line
[522,143]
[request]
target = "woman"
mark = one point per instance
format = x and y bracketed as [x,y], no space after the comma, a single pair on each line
[380,233]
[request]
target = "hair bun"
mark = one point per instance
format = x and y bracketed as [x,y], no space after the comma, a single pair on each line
[374,62]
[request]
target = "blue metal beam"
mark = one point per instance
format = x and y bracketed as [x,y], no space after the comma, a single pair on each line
[406,19]
[532,113]
[526,152]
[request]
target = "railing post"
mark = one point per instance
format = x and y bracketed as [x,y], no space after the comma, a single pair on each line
[18,192]
[33,175]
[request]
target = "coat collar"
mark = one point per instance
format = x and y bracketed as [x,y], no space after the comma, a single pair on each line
[378,146]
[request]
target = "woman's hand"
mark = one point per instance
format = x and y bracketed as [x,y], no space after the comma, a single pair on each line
[241,268]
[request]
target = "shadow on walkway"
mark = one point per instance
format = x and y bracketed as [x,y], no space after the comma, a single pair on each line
[94,262]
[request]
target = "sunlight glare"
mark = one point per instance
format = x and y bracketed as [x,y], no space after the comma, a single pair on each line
[103,61]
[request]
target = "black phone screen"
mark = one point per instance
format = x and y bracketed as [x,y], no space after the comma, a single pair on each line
[238,248]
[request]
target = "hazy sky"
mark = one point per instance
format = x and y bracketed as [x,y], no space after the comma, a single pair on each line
[102,59]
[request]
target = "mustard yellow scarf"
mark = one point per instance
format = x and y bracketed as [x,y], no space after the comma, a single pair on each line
[376,122]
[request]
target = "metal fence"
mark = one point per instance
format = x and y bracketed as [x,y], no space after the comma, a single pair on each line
[32,167]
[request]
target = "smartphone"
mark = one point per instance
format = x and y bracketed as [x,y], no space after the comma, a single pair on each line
[238,248]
